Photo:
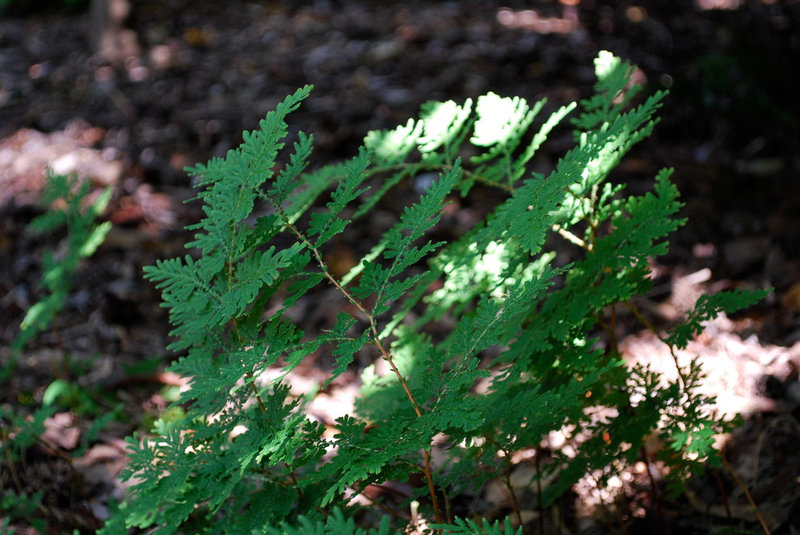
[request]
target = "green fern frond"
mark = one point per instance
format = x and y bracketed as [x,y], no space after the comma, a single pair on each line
[709,306]
[392,147]
[336,524]
[84,236]
[445,127]
[613,77]
[462,526]
[326,225]
[399,251]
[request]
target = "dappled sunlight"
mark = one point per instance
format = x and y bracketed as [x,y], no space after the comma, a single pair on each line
[497,118]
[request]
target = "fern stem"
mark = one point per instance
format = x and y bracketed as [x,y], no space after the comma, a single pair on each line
[426,453]
[301,495]
[369,317]
[514,501]
[417,410]
[569,236]
[248,373]
[613,326]
[507,477]
[294,484]
[373,325]
[654,490]
[261,405]
[12,469]
[723,494]
[431,488]
[650,327]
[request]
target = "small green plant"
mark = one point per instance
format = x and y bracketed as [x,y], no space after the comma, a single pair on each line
[66,204]
[495,307]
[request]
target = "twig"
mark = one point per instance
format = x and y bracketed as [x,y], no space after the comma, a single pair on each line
[507,477]
[747,495]
[569,236]
[723,494]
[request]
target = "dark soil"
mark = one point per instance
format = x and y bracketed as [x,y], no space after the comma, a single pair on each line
[175,82]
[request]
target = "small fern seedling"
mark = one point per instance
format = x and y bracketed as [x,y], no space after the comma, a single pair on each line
[65,201]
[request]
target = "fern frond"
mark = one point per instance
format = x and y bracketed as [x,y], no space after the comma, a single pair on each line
[468,526]
[500,124]
[285,184]
[445,126]
[519,166]
[392,147]
[84,236]
[345,346]
[414,222]
[328,224]
[370,452]
[709,306]
[232,184]
[613,77]
[335,524]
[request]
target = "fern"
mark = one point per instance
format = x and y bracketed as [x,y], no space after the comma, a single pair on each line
[526,325]
[84,235]
[470,527]
[67,205]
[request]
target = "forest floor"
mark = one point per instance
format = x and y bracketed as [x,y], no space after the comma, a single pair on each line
[178,81]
